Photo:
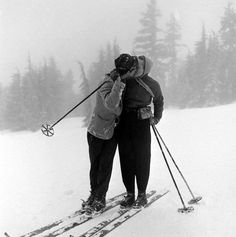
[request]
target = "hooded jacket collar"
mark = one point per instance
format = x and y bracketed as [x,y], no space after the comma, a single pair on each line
[147,65]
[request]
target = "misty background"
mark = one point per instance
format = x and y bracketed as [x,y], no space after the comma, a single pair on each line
[55,52]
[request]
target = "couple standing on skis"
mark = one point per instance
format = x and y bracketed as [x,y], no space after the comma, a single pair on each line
[122,116]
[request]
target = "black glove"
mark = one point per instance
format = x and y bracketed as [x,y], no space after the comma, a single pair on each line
[114,74]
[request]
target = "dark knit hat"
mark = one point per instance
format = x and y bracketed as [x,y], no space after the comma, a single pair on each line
[125,62]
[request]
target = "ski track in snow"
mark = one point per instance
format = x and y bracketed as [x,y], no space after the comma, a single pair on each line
[43,179]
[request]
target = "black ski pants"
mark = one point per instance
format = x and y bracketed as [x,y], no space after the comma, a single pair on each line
[101,153]
[134,143]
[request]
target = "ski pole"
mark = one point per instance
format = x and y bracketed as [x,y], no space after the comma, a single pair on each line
[48,129]
[194,199]
[184,209]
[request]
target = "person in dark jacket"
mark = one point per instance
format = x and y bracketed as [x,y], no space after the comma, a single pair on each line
[101,135]
[134,140]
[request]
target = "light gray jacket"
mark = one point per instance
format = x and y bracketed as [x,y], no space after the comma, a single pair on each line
[108,107]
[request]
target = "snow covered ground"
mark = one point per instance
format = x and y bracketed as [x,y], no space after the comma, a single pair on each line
[43,179]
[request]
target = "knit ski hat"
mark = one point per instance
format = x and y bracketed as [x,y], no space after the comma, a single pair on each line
[125,62]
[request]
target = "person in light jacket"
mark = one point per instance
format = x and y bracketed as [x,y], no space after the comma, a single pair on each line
[101,135]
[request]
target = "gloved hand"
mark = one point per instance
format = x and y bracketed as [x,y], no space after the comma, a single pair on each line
[114,74]
[154,120]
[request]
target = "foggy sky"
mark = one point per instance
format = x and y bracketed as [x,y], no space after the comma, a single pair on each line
[71,30]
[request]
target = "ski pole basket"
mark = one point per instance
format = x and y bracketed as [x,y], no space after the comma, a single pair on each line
[47,130]
[185,209]
[195,200]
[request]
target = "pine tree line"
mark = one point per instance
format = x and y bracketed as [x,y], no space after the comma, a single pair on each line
[207,76]
[104,64]
[43,94]
[96,73]
[36,96]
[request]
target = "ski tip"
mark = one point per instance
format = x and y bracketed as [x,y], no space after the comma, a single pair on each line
[159,193]
[163,192]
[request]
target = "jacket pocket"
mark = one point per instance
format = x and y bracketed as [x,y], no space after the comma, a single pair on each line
[102,127]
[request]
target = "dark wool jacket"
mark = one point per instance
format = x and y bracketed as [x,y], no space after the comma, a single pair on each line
[107,108]
[137,96]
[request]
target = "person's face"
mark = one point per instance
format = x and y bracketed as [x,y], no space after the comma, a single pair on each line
[140,68]
[129,74]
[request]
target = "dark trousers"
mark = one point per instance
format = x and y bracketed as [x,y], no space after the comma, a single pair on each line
[134,142]
[101,153]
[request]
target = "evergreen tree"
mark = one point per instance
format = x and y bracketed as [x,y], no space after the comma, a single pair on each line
[146,42]
[85,91]
[198,81]
[56,92]
[52,91]
[109,65]
[31,103]
[213,87]
[111,52]
[14,112]
[96,74]
[69,96]
[97,70]
[228,28]
[116,50]
[102,66]
[184,89]
[228,37]
[172,44]
[40,95]
[149,41]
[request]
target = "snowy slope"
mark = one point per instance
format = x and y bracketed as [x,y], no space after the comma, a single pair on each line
[43,179]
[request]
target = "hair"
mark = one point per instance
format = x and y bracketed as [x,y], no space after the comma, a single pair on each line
[122,72]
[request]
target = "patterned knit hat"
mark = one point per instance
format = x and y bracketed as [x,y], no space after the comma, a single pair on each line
[125,62]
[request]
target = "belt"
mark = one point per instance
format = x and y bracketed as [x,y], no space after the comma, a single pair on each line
[127,109]
[130,109]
